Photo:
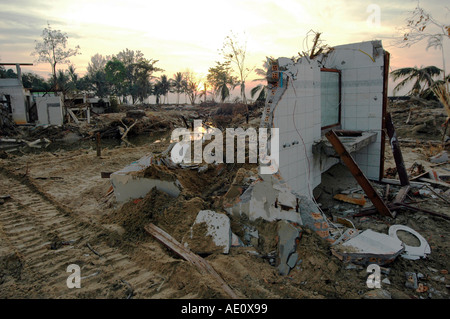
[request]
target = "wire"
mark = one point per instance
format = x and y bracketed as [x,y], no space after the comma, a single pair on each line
[308,167]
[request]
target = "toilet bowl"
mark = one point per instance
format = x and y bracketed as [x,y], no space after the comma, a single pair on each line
[411,252]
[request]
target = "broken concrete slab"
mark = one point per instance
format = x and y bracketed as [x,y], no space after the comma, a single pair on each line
[442,157]
[130,182]
[217,226]
[270,198]
[369,247]
[288,235]
[265,198]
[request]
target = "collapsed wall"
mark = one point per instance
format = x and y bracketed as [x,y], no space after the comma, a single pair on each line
[342,89]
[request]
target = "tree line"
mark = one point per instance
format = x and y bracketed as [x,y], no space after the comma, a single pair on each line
[130,74]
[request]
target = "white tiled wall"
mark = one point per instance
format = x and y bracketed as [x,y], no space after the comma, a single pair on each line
[361,109]
[362,97]
[299,106]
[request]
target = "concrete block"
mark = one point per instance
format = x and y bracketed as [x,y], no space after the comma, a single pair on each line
[440,158]
[369,247]
[129,184]
[217,226]
[288,235]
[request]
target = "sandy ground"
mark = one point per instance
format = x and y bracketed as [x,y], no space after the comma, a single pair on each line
[60,214]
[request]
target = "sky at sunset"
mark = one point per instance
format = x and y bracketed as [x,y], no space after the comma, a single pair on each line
[188,34]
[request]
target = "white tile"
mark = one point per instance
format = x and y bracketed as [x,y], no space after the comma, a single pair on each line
[362,123]
[373,172]
[350,123]
[373,160]
[375,123]
[350,110]
[363,74]
[362,111]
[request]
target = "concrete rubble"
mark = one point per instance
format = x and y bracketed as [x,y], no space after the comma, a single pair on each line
[217,226]
[369,247]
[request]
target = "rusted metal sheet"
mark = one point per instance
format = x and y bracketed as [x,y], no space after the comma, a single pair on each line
[358,174]
[203,266]
[396,151]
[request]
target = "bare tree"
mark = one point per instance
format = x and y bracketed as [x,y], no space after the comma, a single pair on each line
[192,85]
[235,51]
[422,26]
[53,49]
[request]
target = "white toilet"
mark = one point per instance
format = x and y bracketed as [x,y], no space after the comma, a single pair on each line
[411,252]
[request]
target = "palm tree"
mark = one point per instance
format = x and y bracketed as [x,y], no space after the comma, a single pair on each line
[163,87]
[220,79]
[423,79]
[262,72]
[178,85]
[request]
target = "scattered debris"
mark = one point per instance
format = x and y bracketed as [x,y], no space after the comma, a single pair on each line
[185,253]
[411,280]
[440,158]
[356,199]
[217,229]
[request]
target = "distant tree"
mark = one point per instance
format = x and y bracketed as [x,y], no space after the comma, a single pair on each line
[422,79]
[116,76]
[53,49]
[98,63]
[204,91]
[178,85]
[235,51]
[221,80]
[74,80]
[99,84]
[63,82]
[138,73]
[157,92]
[422,26]
[35,82]
[192,85]
[7,74]
[164,87]
[261,89]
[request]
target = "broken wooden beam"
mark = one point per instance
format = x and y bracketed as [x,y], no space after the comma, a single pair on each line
[423,210]
[396,151]
[203,266]
[392,206]
[358,174]
[401,195]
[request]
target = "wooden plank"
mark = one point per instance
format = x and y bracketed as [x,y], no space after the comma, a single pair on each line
[203,266]
[396,151]
[401,195]
[435,182]
[397,182]
[358,174]
[75,119]
[423,210]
